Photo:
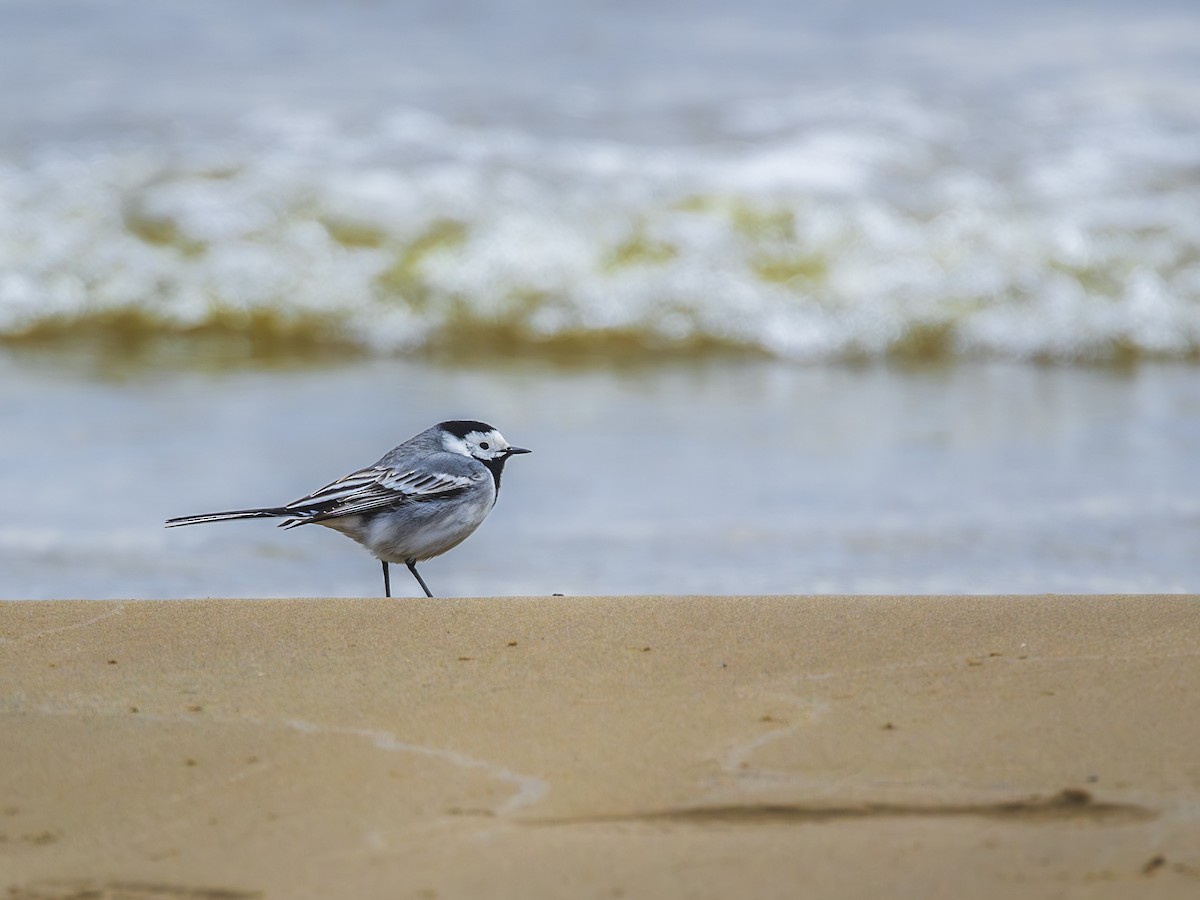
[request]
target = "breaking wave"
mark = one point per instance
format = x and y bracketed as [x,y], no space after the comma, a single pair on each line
[828,230]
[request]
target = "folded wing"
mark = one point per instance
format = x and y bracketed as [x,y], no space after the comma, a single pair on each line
[375,488]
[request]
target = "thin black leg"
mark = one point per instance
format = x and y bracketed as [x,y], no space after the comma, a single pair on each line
[412,567]
[387,581]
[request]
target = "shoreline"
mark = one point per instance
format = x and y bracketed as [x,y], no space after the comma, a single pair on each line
[990,746]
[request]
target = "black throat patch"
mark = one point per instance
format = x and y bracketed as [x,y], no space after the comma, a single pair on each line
[496,467]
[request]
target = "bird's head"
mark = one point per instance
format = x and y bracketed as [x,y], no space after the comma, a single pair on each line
[477,440]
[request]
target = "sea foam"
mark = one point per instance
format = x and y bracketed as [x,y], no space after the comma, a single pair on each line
[809,232]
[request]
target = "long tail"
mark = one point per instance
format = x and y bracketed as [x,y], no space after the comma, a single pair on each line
[265,513]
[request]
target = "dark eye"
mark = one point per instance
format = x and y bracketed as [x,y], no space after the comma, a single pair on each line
[483,445]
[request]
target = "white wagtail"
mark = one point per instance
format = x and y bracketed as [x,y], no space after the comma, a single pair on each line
[421,499]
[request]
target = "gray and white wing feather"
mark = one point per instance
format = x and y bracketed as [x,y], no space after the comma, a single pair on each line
[376,487]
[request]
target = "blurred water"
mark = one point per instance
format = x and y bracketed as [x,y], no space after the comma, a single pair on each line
[711,477]
[787,296]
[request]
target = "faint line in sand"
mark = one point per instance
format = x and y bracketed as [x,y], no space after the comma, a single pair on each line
[117,610]
[529,788]
[735,760]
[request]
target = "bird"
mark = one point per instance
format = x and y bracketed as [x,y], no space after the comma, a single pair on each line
[420,499]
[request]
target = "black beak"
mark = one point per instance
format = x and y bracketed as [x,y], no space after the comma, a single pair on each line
[513,451]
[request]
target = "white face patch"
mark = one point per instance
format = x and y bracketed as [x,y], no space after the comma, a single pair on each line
[482,445]
[486,444]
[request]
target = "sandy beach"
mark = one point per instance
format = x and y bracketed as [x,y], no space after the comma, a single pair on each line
[601,747]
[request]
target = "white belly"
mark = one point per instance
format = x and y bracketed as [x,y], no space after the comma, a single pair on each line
[418,531]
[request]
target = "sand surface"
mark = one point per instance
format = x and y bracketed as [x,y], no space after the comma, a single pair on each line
[533,748]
